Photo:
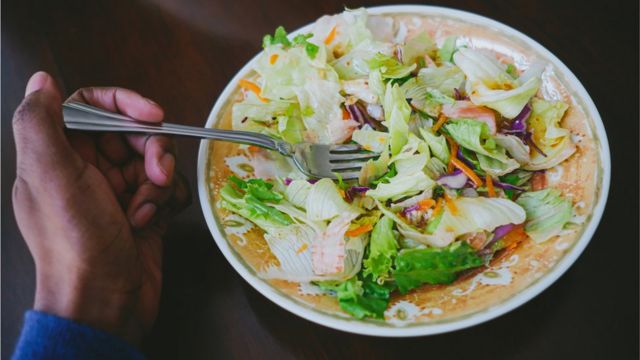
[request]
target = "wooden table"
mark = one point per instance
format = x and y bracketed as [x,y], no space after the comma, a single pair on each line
[182,53]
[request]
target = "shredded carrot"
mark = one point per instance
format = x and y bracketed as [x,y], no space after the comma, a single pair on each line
[250,86]
[454,150]
[253,148]
[490,189]
[438,208]
[331,36]
[273,58]
[426,204]
[345,114]
[302,248]
[441,120]
[359,230]
[465,169]
[450,204]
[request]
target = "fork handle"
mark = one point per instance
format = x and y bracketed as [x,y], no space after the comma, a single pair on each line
[79,116]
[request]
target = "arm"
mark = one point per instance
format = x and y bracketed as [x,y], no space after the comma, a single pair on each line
[93,208]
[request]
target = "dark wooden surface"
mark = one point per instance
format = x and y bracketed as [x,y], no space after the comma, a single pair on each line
[182,53]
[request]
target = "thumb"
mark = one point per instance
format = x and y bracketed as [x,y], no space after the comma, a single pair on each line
[41,145]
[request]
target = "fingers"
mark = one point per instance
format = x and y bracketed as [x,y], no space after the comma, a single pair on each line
[152,201]
[41,146]
[159,156]
[124,101]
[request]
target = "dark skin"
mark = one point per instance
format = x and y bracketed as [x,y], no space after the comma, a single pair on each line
[93,207]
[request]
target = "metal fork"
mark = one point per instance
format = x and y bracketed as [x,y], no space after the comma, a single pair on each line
[313,160]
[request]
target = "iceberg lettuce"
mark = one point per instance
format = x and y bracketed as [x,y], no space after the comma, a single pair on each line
[489,84]
[396,114]
[382,249]
[547,213]
[324,202]
[475,136]
[553,140]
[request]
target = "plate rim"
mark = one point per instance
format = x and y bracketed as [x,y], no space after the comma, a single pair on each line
[492,312]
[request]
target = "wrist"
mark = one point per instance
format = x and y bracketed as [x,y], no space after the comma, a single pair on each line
[86,299]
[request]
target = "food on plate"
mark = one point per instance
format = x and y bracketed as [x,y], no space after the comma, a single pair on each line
[462,135]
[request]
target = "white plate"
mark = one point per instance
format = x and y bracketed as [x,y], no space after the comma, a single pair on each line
[370,328]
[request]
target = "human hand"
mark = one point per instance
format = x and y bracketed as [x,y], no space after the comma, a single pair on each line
[93,207]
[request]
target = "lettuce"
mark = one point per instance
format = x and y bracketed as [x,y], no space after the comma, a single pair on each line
[515,147]
[396,114]
[370,139]
[475,136]
[402,185]
[297,192]
[382,249]
[547,213]
[480,214]
[322,115]
[374,169]
[416,47]
[415,267]
[324,202]
[445,78]
[489,84]
[292,246]
[554,141]
[350,31]
[445,53]
[360,297]
[437,144]
[252,201]
[280,37]
[509,103]
[483,70]
[292,70]
[355,64]
[390,67]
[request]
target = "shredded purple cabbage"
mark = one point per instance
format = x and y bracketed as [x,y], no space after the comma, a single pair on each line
[360,114]
[287,181]
[506,186]
[466,161]
[312,181]
[519,123]
[410,209]
[528,139]
[351,192]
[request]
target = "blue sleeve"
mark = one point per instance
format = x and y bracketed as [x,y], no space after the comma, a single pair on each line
[47,336]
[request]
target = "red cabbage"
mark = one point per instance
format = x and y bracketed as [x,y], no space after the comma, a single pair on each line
[519,123]
[287,181]
[528,139]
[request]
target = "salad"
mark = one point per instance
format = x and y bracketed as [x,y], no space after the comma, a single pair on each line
[463,138]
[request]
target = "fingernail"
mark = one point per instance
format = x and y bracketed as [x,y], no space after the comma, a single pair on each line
[144,213]
[167,163]
[37,82]
[151,102]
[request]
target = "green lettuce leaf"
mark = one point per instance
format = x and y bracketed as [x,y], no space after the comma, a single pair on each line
[475,136]
[416,47]
[252,201]
[396,113]
[360,297]
[370,139]
[547,213]
[382,249]
[415,267]
[390,67]
[437,144]
[445,53]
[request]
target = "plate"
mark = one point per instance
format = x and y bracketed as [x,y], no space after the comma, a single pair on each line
[511,280]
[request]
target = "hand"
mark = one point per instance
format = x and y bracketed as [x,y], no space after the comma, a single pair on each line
[93,207]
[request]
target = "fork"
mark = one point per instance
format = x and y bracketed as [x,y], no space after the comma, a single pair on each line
[313,160]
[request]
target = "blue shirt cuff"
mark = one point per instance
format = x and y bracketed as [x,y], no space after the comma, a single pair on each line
[46,336]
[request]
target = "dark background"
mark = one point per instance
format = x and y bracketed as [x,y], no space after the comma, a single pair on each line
[182,54]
